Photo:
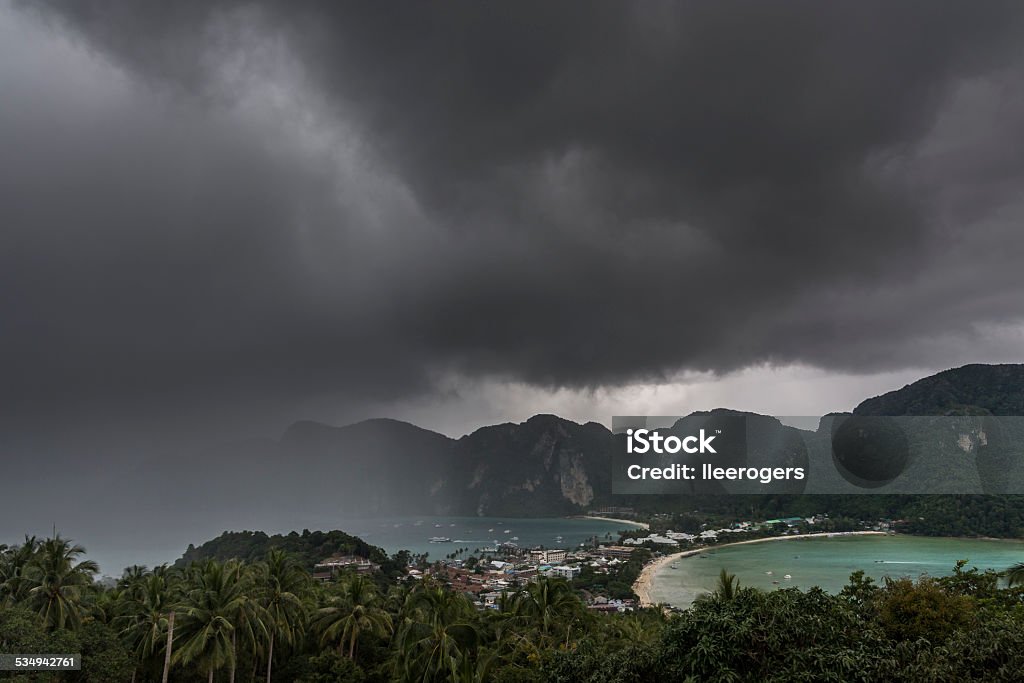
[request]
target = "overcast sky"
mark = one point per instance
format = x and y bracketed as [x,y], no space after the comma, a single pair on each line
[221,217]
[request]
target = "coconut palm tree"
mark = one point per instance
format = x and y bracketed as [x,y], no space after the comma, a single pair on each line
[13,563]
[637,627]
[439,650]
[549,604]
[439,638]
[728,585]
[214,598]
[248,617]
[175,587]
[476,669]
[283,584]
[353,610]
[169,647]
[144,616]
[397,597]
[55,581]
[1015,575]
[105,605]
[132,575]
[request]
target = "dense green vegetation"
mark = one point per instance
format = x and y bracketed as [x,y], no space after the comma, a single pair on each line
[306,549]
[938,515]
[954,629]
[265,619]
[975,389]
[616,582]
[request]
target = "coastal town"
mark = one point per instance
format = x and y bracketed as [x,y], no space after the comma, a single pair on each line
[609,576]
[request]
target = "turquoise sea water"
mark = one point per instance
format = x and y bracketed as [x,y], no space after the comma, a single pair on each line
[827,562]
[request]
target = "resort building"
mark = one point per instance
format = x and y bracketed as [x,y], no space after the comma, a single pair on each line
[344,563]
[566,572]
[553,556]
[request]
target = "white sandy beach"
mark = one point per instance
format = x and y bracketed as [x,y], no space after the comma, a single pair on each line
[645,581]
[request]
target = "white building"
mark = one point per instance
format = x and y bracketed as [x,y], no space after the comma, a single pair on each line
[552,556]
[566,572]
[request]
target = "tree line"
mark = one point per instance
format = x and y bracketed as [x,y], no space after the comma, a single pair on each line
[266,619]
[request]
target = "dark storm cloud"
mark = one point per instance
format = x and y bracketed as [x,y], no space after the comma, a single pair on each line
[569,195]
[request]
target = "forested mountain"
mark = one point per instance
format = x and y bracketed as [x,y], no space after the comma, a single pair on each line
[307,547]
[551,466]
[384,467]
[545,463]
[968,390]
[376,467]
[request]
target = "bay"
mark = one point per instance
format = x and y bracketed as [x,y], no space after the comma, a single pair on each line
[827,562]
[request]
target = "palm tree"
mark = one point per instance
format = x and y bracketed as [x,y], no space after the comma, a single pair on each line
[397,599]
[438,637]
[13,563]
[476,669]
[174,583]
[637,627]
[105,605]
[547,603]
[214,598]
[728,585]
[353,611]
[1015,575]
[55,580]
[169,647]
[283,584]
[145,615]
[132,575]
[440,650]
[247,616]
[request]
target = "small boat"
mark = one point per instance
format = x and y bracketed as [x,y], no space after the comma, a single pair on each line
[451,525]
[437,526]
[440,539]
[490,530]
[507,531]
[558,538]
[768,573]
[515,538]
[776,583]
[787,576]
[674,566]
